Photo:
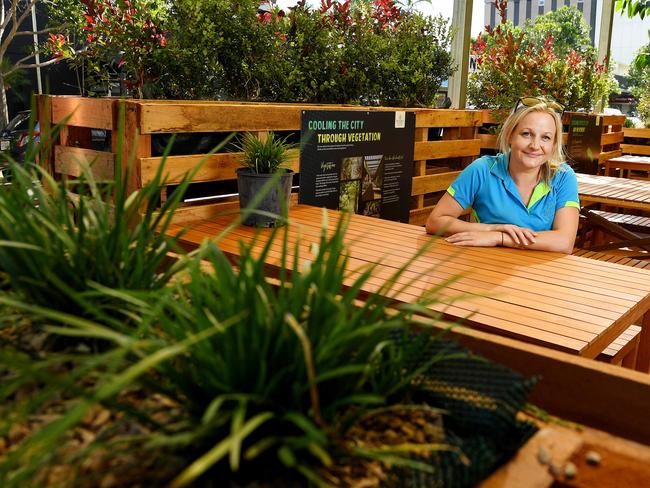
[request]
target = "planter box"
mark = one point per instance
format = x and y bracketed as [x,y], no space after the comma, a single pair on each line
[445,141]
[562,445]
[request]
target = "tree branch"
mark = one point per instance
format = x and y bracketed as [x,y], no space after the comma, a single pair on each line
[26,12]
[42,31]
[19,65]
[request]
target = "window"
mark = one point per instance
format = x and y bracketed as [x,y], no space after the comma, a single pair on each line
[541,3]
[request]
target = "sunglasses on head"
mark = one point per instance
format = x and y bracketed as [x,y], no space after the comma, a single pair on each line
[533,101]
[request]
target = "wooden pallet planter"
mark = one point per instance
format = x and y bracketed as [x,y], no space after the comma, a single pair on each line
[445,141]
[636,141]
[611,137]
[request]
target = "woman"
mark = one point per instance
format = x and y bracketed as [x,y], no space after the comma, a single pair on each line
[524,197]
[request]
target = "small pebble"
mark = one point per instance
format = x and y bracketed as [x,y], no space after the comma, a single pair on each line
[593,458]
[543,456]
[555,470]
[570,470]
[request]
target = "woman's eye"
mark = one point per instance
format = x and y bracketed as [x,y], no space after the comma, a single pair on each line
[546,138]
[525,133]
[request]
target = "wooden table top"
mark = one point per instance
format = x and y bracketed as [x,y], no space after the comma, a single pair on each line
[565,302]
[629,158]
[626,163]
[609,190]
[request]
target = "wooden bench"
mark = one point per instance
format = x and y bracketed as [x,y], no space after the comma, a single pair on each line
[635,223]
[600,233]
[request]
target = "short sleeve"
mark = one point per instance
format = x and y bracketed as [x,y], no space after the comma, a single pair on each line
[567,188]
[466,185]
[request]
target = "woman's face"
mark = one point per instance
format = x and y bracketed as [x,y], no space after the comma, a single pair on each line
[532,141]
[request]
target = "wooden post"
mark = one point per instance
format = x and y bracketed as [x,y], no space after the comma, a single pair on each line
[46,147]
[462,18]
[420,167]
[643,356]
[135,145]
[605,39]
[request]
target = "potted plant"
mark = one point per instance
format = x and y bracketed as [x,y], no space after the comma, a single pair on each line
[264,181]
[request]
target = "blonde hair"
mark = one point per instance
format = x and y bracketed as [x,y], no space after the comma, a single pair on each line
[556,158]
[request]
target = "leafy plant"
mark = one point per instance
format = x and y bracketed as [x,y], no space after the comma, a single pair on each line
[124,34]
[264,156]
[418,60]
[342,52]
[644,108]
[512,62]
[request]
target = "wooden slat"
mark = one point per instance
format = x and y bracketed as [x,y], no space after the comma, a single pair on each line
[419,215]
[234,116]
[68,161]
[613,120]
[215,167]
[448,118]
[604,156]
[611,138]
[83,112]
[635,149]
[636,132]
[433,183]
[488,141]
[206,118]
[215,116]
[446,149]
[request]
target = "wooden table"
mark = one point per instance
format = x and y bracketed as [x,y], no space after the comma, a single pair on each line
[560,301]
[625,164]
[617,192]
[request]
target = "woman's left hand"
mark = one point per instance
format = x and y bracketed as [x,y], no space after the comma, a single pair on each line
[476,238]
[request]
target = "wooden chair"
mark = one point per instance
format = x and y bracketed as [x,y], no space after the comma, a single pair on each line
[598,233]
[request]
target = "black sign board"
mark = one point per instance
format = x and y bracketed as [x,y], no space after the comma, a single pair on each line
[360,161]
[583,145]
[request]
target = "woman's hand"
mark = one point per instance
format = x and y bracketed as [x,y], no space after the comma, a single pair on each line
[498,235]
[519,236]
[476,238]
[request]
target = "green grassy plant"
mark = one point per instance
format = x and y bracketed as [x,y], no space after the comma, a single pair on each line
[272,379]
[61,238]
[264,157]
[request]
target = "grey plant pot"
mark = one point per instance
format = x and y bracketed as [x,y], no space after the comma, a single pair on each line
[275,199]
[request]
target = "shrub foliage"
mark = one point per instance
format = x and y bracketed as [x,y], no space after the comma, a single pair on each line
[552,56]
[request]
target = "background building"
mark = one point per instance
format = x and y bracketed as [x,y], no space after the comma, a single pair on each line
[628,35]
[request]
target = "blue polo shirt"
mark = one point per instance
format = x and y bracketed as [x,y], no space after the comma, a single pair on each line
[486,186]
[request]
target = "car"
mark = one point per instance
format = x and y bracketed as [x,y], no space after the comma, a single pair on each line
[14,139]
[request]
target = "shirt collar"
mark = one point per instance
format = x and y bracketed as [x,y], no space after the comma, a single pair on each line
[500,169]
